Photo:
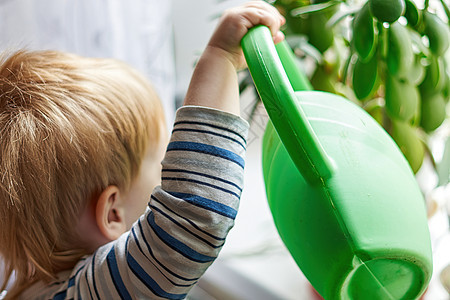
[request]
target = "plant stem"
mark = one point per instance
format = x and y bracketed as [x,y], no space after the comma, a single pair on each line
[384,40]
[446,9]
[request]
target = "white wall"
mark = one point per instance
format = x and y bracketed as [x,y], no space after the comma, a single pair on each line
[193,21]
[138,32]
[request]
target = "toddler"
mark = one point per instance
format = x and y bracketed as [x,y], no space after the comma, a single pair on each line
[86,211]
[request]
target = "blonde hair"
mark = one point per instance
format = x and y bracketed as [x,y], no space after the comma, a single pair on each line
[69,127]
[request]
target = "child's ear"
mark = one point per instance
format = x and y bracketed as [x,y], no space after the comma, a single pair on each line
[110,214]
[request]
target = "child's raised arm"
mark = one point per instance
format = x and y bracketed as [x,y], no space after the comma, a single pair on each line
[214,82]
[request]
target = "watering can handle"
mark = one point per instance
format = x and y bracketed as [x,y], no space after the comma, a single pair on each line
[276,91]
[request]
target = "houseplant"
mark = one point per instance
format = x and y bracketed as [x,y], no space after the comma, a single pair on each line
[386,55]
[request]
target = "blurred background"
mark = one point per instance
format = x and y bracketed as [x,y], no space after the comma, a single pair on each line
[163,39]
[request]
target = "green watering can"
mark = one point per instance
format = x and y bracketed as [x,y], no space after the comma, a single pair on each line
[342,195]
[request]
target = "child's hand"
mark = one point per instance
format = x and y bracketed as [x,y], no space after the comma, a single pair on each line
[236,22]
[214,82]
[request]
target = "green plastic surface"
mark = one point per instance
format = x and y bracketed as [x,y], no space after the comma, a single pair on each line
[342,195]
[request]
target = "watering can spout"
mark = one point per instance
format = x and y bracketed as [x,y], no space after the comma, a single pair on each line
[284,111]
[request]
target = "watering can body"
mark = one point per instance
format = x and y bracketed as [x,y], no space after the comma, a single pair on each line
[342,195]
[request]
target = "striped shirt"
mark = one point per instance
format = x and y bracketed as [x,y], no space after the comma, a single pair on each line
[184,227]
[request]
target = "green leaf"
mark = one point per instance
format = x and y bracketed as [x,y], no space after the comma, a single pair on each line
[341,15]
[416,39]
[443,168]
[314,8]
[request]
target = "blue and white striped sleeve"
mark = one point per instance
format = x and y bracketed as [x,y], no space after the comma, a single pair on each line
[189,215]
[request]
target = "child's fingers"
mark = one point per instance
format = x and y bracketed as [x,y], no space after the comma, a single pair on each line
[278,37]
[263,5]
[260,4]
[263,16]
[270,8]
[236,22]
